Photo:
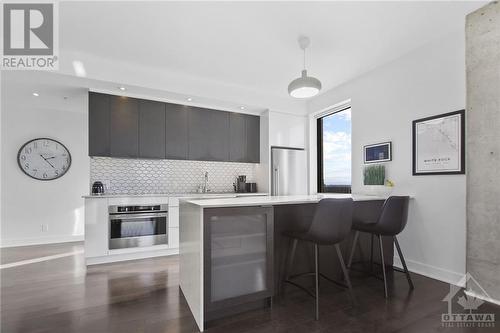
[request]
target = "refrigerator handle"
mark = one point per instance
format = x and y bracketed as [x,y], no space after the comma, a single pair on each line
[276,181]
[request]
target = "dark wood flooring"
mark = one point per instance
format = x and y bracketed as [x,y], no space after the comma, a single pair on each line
[61,295]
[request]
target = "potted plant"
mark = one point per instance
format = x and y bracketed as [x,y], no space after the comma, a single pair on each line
[375,182]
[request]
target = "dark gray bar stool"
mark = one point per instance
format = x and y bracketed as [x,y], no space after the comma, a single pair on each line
[331,224]
[391,222]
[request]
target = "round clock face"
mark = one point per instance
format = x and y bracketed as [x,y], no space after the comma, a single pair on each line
[44,159]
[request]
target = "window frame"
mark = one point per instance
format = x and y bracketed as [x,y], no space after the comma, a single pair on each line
[319,145]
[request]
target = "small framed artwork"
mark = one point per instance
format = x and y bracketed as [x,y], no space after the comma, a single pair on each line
[439,144]
[379,152]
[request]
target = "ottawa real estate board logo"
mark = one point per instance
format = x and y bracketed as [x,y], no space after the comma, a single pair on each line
[30,36]
[464,306]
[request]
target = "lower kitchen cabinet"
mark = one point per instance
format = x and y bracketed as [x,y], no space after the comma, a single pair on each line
[238,257]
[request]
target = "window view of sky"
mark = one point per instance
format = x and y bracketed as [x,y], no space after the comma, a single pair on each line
[337,148]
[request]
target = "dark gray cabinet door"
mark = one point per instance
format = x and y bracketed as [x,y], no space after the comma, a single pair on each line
[237,137]
[252,139]
[99,120]
[124,129]
[151,129]
[176,134]
[127,127]
[208,135]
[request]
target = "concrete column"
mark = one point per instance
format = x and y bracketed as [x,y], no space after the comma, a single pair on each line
[483,148]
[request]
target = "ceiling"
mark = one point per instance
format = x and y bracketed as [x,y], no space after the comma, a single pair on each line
[254,44]
[65,92]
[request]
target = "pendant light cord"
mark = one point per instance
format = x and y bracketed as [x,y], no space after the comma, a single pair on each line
[304,62]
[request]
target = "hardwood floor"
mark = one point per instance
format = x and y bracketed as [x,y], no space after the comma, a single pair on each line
[60,295]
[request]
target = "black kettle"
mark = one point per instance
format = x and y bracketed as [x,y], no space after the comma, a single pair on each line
[97,188]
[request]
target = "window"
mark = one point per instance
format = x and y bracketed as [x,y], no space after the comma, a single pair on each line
[334,152]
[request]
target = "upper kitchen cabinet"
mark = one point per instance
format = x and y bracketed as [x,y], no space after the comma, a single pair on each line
[176,134]
[252,124]
[124,127]
[99,124]
[135,128]
[208,135]
[237,137]
[151,129]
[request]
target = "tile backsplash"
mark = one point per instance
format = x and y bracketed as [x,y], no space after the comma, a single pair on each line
[136,176]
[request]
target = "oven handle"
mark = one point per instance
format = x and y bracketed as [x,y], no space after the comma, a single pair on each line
[135,216]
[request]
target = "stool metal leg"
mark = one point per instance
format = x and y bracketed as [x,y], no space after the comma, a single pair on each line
[316,278]
[371,253]
[288,264]
[383,264]
[407,273]
[355,240]
[344,270]
[291,258]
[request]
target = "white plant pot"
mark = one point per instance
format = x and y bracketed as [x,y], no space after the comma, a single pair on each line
[378,190]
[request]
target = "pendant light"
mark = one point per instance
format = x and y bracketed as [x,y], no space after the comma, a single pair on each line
[304,86]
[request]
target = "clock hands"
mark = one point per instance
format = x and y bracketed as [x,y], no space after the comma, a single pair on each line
[45,159]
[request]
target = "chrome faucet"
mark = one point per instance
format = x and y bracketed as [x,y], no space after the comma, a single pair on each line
[205,185]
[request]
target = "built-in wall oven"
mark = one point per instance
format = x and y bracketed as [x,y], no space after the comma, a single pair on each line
[138,225]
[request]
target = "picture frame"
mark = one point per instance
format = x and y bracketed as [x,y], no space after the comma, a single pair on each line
[438,144]
[378,152]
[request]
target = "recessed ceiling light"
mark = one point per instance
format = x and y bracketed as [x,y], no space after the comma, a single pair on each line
[189,99]
[242,108]
[35,94]
[122,88]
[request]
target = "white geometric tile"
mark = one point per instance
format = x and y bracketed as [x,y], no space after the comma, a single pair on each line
[136,176]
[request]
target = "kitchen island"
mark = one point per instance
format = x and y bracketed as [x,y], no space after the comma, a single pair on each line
[232,252]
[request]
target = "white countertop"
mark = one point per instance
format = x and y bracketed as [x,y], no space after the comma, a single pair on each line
[276,200]
[177,195]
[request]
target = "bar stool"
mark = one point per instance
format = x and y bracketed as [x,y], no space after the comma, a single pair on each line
[330,225]
[391,222]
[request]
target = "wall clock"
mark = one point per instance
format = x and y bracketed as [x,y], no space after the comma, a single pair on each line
[44,159]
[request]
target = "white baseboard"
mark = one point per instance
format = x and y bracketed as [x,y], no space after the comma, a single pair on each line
[130,256]
[40,240]
[433,272]
[476,295]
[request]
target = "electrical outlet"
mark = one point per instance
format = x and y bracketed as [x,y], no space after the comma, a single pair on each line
[107,185]
[45,227]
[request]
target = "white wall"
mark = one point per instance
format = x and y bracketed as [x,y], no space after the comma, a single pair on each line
[425,82]
[28,203]
[278,129]
[287,130]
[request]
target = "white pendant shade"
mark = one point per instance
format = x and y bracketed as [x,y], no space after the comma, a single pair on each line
[304,86]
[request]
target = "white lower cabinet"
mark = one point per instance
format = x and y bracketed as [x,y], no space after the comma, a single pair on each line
[173,216]
[97,228]
[173,238]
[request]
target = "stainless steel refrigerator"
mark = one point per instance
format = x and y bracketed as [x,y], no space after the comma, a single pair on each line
[288,171]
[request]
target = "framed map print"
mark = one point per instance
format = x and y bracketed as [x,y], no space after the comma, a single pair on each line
[439,144]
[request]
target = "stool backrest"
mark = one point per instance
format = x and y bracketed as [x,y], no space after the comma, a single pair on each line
[394,215]
[332,220]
